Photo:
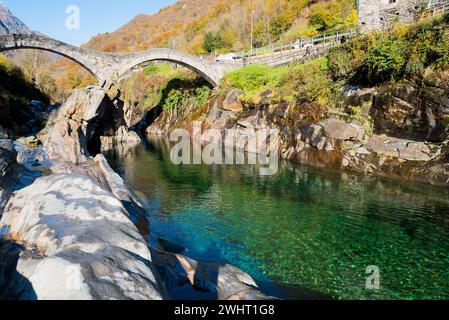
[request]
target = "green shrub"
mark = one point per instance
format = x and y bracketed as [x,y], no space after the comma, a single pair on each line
[442,51]
[175,99]
[163,70]
[9,68]
[213,41]
[253,79]
[311,82]
[180,97]
[179,93]
[364,119]
[341,64]
[385,61]
[202,95]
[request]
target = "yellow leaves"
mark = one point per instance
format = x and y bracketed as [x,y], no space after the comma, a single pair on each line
[352,19]
[6,63]
[400,31]
[188,21]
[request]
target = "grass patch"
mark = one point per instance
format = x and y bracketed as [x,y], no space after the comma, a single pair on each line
[163,70]
[254,79]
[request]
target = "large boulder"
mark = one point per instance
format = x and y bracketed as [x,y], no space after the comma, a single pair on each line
[228,282]
[225,281]
[340,130]
[400,148]
[84,244]
[232,101]
[415,111]
[88,120]
[75,123]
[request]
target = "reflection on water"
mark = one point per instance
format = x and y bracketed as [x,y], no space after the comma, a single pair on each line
[304,233]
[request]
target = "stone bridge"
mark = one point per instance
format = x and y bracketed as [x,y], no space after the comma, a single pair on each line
[109,68]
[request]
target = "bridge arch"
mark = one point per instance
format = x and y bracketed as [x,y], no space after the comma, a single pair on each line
[211,71]
[111,67]
[87,59]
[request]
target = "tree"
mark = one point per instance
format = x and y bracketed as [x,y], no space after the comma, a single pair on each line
[326,15]
[34,63]
[37,68]
[212,41]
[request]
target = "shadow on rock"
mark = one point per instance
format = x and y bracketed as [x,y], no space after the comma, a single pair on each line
[208,281]
[13,285]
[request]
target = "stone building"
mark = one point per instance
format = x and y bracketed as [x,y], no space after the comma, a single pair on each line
[379,14]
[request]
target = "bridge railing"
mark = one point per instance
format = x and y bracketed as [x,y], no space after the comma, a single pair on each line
[436,8]
[302,44]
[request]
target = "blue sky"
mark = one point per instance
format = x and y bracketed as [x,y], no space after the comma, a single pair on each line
[96,16]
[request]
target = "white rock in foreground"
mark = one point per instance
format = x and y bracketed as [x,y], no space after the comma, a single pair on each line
[85,246]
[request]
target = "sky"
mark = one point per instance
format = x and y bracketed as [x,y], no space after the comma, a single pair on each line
[95,16]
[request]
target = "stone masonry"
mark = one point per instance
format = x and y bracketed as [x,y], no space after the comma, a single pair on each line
[110,67]
[380,14]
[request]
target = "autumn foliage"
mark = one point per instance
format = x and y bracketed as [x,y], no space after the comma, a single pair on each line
[200,26]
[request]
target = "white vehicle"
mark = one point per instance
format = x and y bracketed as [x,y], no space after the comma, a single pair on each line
[227,57]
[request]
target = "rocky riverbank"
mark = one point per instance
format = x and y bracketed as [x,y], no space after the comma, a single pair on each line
[67,228]
[398,131]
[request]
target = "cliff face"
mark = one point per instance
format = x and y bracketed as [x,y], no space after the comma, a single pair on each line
[408,139]
[10,24]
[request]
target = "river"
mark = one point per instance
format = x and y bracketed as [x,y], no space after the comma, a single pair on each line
[305,233]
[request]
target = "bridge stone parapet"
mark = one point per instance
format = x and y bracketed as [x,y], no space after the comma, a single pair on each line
[212,71]
[110,67]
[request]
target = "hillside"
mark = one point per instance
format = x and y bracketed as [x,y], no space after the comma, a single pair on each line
[9,23]
[200,26]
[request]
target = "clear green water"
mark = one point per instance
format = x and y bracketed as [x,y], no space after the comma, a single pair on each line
[304,233]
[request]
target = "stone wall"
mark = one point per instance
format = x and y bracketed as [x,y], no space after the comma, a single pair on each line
[110,67]
[379,14]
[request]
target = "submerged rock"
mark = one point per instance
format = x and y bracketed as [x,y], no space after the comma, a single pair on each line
[229,282]
[225,281]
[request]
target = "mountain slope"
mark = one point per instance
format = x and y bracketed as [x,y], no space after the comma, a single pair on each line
[200,26]
[10,24]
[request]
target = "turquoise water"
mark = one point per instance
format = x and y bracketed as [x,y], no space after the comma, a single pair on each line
[304,233]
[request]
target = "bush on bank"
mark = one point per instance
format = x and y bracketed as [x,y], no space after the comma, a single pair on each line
[165,86]
[403,52]
[373,59]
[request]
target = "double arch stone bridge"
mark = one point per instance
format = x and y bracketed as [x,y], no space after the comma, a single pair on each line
[109,68]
